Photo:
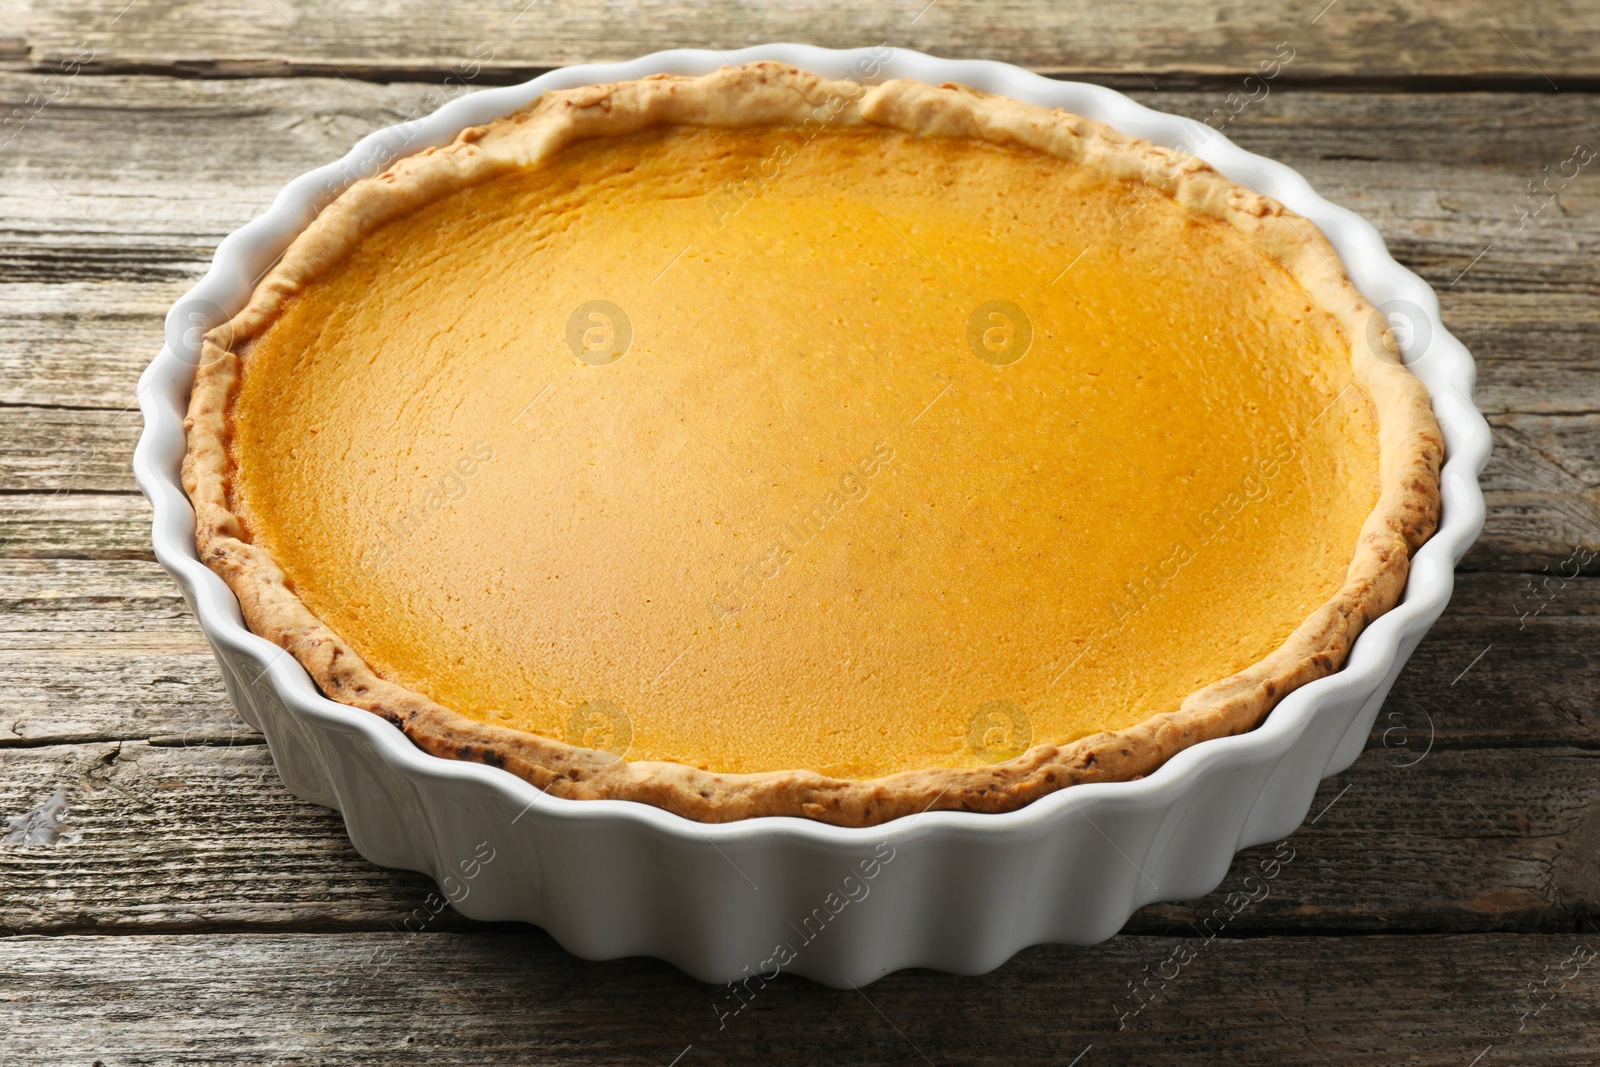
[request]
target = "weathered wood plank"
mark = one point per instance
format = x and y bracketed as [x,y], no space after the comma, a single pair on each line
[51,449]
[232,144]
[1455,840]
[105,649]
[92,259]
[65,525]
[1143,43]
[1487,676]
[80,343]
[68,449]
[515,997]
[1541,488]
[77,687]
[1533,522]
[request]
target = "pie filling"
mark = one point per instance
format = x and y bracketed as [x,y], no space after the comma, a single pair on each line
[754,449]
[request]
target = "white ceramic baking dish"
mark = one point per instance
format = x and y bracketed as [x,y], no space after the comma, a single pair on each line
[742,901]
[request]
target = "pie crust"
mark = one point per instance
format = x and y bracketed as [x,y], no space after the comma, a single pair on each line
[1406,514]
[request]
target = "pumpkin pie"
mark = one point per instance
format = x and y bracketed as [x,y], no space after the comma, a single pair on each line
[757,444]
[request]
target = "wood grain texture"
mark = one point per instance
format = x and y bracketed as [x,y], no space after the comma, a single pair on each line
[65,525]
[1457,840]
[1473,813]
[99,647]
[511,997]
[1144,44]
[1444,176]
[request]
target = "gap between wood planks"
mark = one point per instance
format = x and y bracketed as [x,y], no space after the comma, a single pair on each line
[1160,80]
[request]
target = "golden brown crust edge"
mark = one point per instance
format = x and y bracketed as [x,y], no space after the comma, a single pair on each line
[766,93]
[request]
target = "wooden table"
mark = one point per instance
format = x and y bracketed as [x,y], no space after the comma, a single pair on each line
[1440,906]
